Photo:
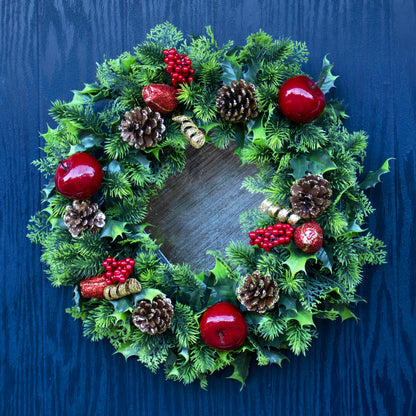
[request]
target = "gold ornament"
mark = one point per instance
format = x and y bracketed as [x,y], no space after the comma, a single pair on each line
[278,212]
[190,130]
[113,292]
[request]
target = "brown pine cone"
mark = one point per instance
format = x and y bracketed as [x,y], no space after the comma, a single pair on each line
[258,293]
[237,102]
[83,216]
[142,128]
[310,196]
[153,317]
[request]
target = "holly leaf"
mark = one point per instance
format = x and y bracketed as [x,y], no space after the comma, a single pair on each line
[128,350]
[344,312]
[138,158]
[127,61]
[88,142]
[113,229]
[297,259]
[288,302]
[322,255]
[47,190]
[304,317]
[373,178]
[241,366]
[122,305]
[251,74]
[274,356]
[256,128]
[316,162]
[232,70]
[148,294]
[326,78]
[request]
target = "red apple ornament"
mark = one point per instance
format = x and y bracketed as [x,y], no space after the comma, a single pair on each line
[309,237]
[300,99]
[223,326]
[79,176]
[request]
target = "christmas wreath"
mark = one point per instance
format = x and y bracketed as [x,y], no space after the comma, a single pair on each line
[301,253]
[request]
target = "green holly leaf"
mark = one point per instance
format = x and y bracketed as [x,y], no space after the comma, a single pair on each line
[148,294]
[288,302]
[326,78]
[373,178]
[232,70]
[303,316]
[122,305]
[274,357]
[127,61]
[251,74]
[47,190]
[128,350]
[85,143]
[113,229]
[297,259]
[138,158]
[344,312]
[316,162]
[241,366]
[322,255]
[256,128]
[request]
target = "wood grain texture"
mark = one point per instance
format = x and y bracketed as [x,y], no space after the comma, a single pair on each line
[48,48]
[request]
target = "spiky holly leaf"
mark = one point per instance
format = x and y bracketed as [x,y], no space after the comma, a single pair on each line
[113,229]
[303,316]
[128,350]
[241,365]
[148,294]
[373,178]
[328,79]
[88,142]
[232,70]
[274,356]
[316,162]
[297,259]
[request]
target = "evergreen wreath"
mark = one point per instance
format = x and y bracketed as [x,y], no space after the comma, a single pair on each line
[307,243]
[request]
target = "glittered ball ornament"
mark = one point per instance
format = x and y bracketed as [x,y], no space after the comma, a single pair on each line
[300,99]
[308,237]
[223,327]
[160,97]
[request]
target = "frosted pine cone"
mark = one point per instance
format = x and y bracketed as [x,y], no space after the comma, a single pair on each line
[142,128]
[83,216]
[237,102]
[257,292]
[153,317]
[310,196]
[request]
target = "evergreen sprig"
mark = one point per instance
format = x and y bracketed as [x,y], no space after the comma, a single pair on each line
[282,151]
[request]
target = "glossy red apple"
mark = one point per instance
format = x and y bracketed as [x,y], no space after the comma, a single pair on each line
[79,176]
[300,99]
[223,326]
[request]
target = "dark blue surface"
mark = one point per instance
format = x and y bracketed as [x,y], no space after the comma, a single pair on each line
[48,48]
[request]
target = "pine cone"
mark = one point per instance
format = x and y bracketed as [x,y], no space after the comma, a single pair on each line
[153,317]
[142,128]
[257,292]
[83,216]
[237,103]
[311,196]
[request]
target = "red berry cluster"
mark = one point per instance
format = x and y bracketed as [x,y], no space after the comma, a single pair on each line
[179,66]
[117,270]
[272,236]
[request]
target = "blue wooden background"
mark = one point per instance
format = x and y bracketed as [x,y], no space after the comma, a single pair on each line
[47,367]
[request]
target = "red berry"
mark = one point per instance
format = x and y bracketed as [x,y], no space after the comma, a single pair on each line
[190,79]
[165,51]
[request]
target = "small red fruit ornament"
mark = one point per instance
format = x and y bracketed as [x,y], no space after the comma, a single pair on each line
[79,177]
[300,99]
[179,67]
[160,97]
[223,326]
[309,237]
[272,236]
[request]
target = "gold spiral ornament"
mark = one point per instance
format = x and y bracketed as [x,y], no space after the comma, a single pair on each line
[191,131]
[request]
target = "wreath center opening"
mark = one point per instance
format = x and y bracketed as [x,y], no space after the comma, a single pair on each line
[198,210]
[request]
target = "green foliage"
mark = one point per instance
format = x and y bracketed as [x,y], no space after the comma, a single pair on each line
[318,285]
